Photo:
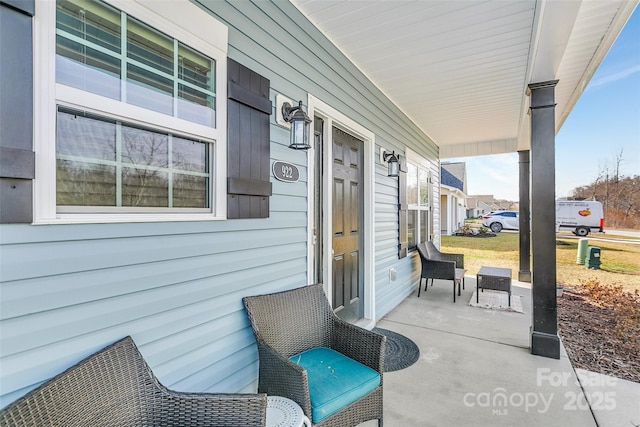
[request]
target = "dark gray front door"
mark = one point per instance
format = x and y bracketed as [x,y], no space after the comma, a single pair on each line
[347,254]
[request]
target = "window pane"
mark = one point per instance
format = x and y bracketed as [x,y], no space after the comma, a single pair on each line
[412,222]
[149,46]
[80,65]
[144,147]
[196,106]
[190,155]
[83,144]
[152,48]
[82,135]
[195,68]
[85,184]
[424,226]
[423,177]
[149,90]
[144,187]
[87,69]
[190,191]
[412,184]
[93,22]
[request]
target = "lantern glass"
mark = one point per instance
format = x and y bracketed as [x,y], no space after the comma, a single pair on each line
[393,167]
[393,163]
[299,134]
[300,130]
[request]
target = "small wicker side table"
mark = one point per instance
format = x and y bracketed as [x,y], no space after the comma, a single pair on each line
[283,412]
[495,278]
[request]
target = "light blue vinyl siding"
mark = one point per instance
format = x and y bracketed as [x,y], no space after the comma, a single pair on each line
[178,295]
[176,287]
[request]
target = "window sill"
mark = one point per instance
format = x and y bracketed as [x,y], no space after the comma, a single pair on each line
[124,218]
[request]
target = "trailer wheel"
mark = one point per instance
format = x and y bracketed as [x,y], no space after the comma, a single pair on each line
[582,231]
[496,227]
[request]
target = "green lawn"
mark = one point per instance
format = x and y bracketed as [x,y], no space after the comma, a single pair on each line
[620,262]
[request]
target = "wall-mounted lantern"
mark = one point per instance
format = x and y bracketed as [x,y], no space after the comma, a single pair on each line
[299,125]
[392,159]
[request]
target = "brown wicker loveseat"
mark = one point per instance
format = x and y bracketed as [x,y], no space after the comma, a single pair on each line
[116,388]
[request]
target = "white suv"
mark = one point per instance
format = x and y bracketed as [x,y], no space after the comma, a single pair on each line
[496,221]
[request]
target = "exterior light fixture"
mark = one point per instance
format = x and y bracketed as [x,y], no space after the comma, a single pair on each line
[393,164]
[299,126]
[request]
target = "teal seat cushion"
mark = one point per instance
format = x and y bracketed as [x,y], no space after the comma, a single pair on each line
[335,380]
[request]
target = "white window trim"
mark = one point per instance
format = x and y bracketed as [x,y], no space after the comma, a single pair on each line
[422,162]
[181,20]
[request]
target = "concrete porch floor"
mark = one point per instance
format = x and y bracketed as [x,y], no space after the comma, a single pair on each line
[476,369]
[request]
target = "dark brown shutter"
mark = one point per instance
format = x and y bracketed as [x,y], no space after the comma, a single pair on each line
[248,149]
[403,240]
[17,158]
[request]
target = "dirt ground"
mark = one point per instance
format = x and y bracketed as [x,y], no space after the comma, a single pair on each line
[600,329]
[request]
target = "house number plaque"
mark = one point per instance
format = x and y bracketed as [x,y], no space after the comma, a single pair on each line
[286,172]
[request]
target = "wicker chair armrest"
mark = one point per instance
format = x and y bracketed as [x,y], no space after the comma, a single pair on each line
[359,344]
[458,258]
[279,376]
[178,409]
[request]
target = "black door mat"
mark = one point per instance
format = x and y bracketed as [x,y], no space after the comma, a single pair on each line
[400,351]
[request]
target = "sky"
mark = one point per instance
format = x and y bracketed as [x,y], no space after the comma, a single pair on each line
[603,124]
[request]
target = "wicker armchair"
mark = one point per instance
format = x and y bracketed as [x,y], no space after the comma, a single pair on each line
[438,265]
[116,388]
[290,322]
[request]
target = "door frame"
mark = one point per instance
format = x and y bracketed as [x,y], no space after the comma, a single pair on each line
[334,118]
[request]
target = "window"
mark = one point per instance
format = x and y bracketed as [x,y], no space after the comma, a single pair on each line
[104,51]
[110,163]
[131,121]
[418,200]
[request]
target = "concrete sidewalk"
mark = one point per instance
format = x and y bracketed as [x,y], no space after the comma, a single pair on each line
[475,369]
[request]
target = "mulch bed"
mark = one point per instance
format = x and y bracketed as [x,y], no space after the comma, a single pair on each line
[476,235]
[601,335]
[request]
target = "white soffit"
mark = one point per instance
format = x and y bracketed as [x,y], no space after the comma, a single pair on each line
[460,69]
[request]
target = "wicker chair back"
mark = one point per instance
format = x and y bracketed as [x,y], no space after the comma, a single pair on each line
[116,388]
[292,321]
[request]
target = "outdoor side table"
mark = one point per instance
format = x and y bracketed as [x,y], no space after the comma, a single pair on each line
[283,412]
[498,279]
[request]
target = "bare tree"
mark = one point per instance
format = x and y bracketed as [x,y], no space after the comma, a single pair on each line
[619,194]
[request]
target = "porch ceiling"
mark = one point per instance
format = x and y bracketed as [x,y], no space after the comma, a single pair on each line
[460,69]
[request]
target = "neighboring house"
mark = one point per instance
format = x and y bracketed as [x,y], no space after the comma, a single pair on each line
[483,204]
[138,144]
[476,208]
[453,196]
[486,207]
